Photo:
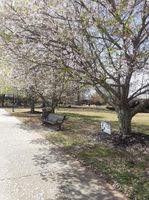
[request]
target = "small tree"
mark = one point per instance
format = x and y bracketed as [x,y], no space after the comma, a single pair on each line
[97,99]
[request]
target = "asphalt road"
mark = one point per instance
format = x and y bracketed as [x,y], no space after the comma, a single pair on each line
[33,169]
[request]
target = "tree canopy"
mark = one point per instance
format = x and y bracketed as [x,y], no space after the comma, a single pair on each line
[99,43]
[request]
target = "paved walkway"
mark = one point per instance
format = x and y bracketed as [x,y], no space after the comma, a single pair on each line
[33,169]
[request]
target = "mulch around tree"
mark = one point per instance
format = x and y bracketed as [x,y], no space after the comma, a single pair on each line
[128,141]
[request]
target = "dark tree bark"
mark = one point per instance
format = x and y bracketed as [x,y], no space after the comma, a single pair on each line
[124,119]
[54,104]
[78,97]
[3,100]
[53,110]
[32,106]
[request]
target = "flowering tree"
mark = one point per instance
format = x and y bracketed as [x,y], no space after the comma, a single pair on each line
[5,83]
[107,42]
[36,70]
[100,43]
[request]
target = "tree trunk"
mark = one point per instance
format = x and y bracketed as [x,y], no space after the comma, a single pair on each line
[3,100]
[124,119]
[54,104]
[32,106]
[78,97]
[53,110]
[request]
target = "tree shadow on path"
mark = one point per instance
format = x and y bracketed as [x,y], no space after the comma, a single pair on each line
[75,181]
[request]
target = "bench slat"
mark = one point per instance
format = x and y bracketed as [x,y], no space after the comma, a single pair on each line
[54,119]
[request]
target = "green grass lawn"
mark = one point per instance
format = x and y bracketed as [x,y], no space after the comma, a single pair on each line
[140,122]
[126,168]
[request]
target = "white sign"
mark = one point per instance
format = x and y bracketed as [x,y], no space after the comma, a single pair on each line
[106,127]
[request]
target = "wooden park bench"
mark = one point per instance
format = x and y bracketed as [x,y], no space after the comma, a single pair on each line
[54,119]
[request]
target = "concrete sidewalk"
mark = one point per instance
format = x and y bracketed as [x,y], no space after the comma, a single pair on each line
[33,169]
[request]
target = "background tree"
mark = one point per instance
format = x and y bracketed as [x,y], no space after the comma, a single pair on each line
[96,99]
[5,83]
[36,69]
